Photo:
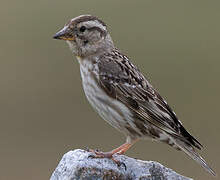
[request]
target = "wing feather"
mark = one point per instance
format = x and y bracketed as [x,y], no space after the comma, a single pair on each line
[123,81]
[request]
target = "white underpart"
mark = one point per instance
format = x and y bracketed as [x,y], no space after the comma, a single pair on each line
[72,48]
[111,110]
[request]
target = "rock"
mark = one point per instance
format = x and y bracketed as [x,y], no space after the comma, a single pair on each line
[77,165]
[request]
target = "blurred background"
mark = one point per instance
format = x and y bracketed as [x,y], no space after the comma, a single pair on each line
[43,110]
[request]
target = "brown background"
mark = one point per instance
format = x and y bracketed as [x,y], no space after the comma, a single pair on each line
[43,111]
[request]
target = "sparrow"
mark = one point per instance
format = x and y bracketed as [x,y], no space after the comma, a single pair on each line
[120,93]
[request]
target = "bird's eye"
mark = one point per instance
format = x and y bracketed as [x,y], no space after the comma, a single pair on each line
[82,29]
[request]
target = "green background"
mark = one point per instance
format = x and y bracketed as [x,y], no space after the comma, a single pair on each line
[43,110]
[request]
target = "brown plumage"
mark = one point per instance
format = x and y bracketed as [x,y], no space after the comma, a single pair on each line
[120,93]
[121,80]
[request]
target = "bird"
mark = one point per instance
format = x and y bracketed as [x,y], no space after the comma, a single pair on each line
[121,94]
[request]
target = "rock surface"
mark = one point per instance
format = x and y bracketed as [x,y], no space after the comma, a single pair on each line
[77,165]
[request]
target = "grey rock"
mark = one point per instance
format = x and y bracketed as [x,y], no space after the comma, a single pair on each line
[77,165]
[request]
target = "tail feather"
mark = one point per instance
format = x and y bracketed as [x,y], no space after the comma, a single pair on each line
[194,155]
[190,138]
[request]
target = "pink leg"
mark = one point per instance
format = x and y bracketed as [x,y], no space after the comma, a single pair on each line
[120,150]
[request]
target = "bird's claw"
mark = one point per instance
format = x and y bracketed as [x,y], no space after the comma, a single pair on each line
[91,156]
[98,154]
[91,150]
[119,163]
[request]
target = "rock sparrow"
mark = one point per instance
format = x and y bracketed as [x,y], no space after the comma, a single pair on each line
[120,93]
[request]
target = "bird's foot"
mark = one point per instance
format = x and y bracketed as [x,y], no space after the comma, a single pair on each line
[109,155]
[100,154]
[120,150]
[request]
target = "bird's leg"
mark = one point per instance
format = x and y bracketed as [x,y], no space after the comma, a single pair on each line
[120,150]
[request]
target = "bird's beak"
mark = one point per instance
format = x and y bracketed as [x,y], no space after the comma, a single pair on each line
[64,34]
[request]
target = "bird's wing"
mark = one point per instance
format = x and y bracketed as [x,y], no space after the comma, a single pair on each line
[122,80]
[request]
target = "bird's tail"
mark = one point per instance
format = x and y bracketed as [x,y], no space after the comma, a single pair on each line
[188,149]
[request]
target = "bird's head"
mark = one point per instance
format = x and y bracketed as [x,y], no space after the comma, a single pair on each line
[86,35]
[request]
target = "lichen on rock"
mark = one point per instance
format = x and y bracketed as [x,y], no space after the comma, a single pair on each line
[77,165]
